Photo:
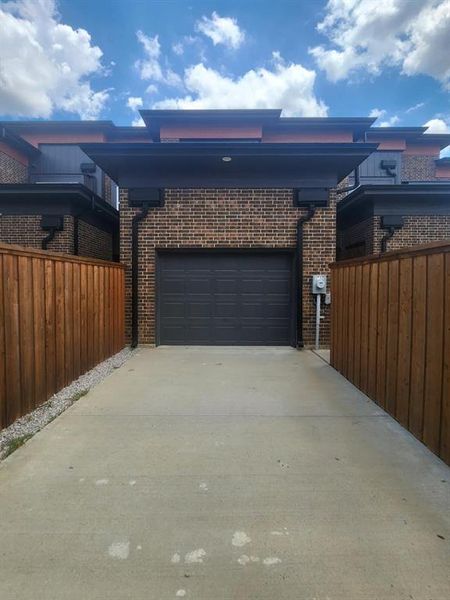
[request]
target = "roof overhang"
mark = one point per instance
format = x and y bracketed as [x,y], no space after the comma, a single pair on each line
[199,164]
[403,199]
[18,143]
[43,198]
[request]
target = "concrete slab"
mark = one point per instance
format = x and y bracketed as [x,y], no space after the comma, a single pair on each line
[243,473]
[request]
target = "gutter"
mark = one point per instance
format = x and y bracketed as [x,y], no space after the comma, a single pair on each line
[299,270]
[138,217]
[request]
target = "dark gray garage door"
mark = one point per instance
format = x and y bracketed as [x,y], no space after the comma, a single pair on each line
[225,298]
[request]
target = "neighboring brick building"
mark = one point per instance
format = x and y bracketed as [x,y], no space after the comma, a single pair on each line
[403,198]
[51,195]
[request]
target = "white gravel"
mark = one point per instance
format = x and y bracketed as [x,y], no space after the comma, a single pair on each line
[36,420]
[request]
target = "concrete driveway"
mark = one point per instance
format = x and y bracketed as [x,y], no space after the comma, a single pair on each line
[213,473]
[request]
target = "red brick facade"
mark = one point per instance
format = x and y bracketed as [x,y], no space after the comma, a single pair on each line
[94,242]
[25,230]
[417,167]
[365,237]
[11,170]
[224,218]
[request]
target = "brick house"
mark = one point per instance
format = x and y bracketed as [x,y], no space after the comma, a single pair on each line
[403,194]
[52,195]
[225,215]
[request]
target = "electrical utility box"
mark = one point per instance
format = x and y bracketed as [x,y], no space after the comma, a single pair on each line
[319,284]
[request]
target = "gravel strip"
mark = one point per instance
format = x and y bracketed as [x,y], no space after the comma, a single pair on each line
[27,426]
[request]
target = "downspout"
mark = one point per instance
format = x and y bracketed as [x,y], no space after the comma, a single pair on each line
[299,269]
[350,188]
[48,238]
[386,237]
[138,217]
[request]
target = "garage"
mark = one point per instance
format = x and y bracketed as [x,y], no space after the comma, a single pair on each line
[225,298]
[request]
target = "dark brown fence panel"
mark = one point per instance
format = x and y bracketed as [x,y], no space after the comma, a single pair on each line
[59,317]
[391,336]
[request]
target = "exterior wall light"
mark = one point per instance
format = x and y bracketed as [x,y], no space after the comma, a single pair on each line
[226,158]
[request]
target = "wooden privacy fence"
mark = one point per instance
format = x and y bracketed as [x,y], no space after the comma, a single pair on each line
[59,316]
[391,336]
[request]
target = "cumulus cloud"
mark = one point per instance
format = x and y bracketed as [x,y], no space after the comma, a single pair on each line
[369,35]
[287,85]
[379,113]
[149,67]
[376,113]
[437,126]
[134,103]
[221,30]
[45,65]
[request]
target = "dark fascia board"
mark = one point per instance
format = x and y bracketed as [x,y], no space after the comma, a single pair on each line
[443,161]
[404,133]
[53,125]
[210,114]
[397,130]
[18,143]
[443,139]
[369,193]
[325,122]
[76,192]
[193,149]
[132,131]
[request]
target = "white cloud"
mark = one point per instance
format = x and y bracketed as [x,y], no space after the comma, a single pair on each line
[178,48]
[415,107]
[149,68]
[437,126]
[376,113]
[221,30]
[391,122]
[288,86]
[379,113]
[370,35]
[45,65]
[135,102]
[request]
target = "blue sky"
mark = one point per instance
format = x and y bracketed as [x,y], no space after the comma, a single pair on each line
[106,58]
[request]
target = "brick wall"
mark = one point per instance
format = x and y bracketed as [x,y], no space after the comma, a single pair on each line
[418,167]
[225,218]
[25,230]
[356,240]
[94,242]
[416,230]
[11,170]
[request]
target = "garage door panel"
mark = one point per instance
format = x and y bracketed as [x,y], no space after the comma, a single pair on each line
[224,298]
[172,286]
[199,309]
[225,309]
[226,286]
[172,309]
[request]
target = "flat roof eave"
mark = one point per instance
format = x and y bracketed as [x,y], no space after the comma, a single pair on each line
[366,193]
